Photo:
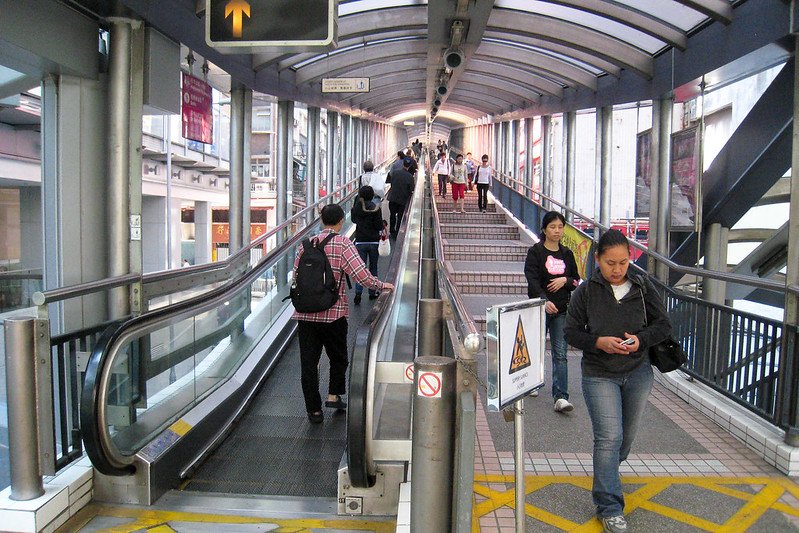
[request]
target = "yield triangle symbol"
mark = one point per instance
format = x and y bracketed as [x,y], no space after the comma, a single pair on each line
[521,355]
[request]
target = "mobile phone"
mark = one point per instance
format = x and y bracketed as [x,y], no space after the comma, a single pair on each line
[628,342]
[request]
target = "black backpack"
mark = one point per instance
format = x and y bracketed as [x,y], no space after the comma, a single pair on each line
[315,288]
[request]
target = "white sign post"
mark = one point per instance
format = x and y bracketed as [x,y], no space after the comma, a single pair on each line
[515,345]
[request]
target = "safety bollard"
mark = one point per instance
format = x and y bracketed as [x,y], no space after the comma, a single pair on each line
[23,430]
[432,445]
[431,326]
[429,278]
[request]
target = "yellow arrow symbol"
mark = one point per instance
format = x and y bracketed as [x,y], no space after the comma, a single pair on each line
[237,8]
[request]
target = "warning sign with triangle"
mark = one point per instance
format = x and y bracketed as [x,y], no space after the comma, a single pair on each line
[521,356]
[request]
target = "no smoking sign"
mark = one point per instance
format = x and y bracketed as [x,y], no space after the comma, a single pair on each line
[429,385]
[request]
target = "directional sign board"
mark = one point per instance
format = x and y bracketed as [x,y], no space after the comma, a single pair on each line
[515,335]
[345,85]
[239,26]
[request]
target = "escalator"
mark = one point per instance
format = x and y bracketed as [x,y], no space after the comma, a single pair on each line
[204,394]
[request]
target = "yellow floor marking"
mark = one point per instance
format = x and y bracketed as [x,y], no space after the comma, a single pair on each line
[685,518]
[754,508]
[156,520]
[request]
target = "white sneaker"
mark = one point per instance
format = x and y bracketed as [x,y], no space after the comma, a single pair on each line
[563,406]
[614,524]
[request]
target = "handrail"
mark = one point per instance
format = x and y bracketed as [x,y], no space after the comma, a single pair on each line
[97,438]
[751,281]
[25,273]
[466,326]
[359,423]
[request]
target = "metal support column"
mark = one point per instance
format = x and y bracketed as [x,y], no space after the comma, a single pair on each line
[431,326]
[119,225]
[332,120]
[605,144]
[236,182]
[569,161]
[790,402]
[662,173]
[514,147]
[23,430]
[285,127]
[529,124]
[716,240]
[246,157]
[546,162]
[433,441]
[312,172]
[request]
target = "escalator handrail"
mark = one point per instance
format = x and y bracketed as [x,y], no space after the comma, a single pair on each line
[359,425]
[97,439]
[470,334]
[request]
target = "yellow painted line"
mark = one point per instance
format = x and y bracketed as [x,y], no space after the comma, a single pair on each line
[753,509]
[675,514]
[156,520]
[750,512]
[161,529]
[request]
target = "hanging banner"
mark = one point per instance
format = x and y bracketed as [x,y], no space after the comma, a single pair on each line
[197,116]
[580,245]
[643,173]
[684,178]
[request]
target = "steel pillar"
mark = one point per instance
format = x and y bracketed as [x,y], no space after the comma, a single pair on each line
[236,185]
[312,172]
[285,135]
[605,145]
[570,151]
[433,441]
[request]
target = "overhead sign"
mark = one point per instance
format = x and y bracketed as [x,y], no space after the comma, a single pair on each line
[345,85]
[196,114]
[286,25]
[515,348]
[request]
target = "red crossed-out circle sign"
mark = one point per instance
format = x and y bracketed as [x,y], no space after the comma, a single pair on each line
[409,372]
[430,384]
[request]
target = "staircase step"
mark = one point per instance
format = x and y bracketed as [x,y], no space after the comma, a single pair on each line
[494,247]
[477,254]
[517,289]
[472,218]
[479,232]
[489,277]
[448,205]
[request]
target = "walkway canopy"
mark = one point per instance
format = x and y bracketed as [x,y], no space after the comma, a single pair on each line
[459,61]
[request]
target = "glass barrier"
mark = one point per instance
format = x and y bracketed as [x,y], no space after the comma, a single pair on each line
[165,362]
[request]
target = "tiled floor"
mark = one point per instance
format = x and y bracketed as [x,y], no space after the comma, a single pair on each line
[727,466]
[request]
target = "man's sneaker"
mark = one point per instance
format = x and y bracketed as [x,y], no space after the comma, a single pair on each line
[614,524]
[562,405]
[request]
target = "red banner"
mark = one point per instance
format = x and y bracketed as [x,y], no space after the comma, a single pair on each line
[198,120]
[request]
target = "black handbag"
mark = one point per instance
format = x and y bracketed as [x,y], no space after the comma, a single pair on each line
[667,355]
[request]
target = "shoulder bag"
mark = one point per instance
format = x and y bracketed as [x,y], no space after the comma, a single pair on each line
[667,355]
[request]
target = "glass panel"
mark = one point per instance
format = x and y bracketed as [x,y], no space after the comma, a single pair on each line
[161,375]
[584,66]
[674,13]
[589,20]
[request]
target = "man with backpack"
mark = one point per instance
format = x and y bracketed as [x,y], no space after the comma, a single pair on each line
[321,309]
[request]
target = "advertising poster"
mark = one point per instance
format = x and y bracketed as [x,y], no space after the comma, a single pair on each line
[196,114]
[684,176]
[643,173]
[580,245]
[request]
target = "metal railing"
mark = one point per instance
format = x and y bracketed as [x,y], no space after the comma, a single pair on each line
[750,359]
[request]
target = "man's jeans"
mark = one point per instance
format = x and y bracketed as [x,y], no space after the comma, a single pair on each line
[370,256]
[442,184]
[615,406]
[560,368]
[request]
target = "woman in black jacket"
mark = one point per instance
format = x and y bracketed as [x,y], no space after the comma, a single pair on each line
[368,224]
[552,274]
[614,318]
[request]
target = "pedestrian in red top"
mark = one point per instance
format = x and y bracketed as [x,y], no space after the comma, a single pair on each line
[328,329]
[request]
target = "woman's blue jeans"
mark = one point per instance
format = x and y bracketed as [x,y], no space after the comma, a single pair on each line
[370,256]
[560,368]
[615,406]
